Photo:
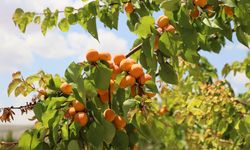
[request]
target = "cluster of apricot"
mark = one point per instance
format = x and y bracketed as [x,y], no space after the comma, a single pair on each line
[209,8]
[163,26]
[135,77]
[78,112]
[118,121]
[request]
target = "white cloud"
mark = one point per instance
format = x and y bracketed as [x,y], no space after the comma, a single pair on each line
[18,49]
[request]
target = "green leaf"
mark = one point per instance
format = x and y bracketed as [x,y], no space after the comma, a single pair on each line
[73,144]
[102,75]
[241,36]
[73,72]
[19,90]
[17,15]
[109,132]
[170,5]
[12,86]
[191,56]
[37,20]
[152,86]
[47,117]
[64,25]
[95,135]
[143,27]
[166,45]
[168,74]
[121,141]
[129,104]
[28,140]
[65,132]
[44,26]
[38,111]
[248,71]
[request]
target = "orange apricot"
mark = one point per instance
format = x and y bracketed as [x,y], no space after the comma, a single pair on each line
[102,92]
[118,58]
[105,98]
[136,70]
[169,28]
[156,43]
[130,80]
[126,64]
[109,115]
[133,91]
[116,69]
[78,105]
[210,9]
[112,85]
[200,3]
[123,83]
[162,21]
[144,78]
[163,110]
[82,118]
[150,95]
[119,122]
[195,13]
[66,88]
[71,111]
[104,56]
[129,8]
[134,147]
[228,11]
[159,30]
[111,64]
[113,76]
[92,55]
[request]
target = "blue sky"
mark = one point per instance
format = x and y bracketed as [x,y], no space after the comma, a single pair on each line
[31,52]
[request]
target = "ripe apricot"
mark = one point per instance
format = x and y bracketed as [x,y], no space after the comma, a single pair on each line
[66,88]
[136,70]
[78,105]
[109,115]
[123,83]
[210,9]
[116,69]
[200,3]
[228,11]
[92,55]
[130,80]
[112,85]
[126,64]
[82,118]
[118,58]
[102,92]
[169,28]
[111,64]
[144,78]
[156,43]
[129,8]
[150,95]
[66,114]
[163,110]
[71,111]
[105,97]
[134,147]
[159,30]
[162,21]
[113,76]
[119,122]
[133,91]
[195,13]
[104,56]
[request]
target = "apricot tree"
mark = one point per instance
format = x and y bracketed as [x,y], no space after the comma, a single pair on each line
[105,103]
